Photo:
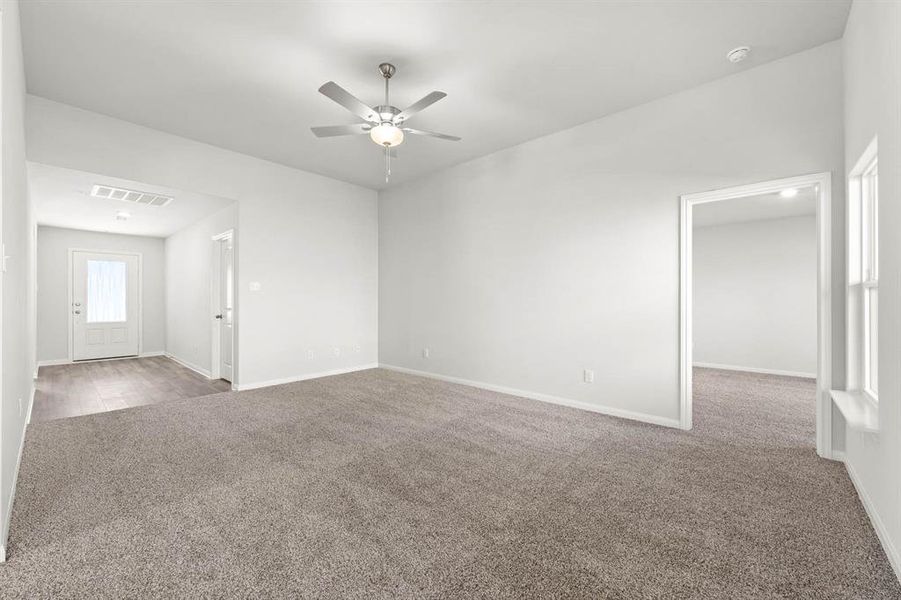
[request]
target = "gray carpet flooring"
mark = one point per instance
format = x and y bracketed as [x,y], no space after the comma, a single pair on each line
[382,485]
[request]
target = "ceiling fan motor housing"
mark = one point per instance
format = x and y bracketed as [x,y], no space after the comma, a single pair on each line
[387,113]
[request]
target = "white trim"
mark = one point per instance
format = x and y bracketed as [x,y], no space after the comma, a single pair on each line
[54,362]
[856,334]
[891,552]
[4,535]
[65,361]
[604,410]
[30,404]
[823,183]
[755,370]
[283,380]
[188,365]
[860,410]
[71,265]
[869,156]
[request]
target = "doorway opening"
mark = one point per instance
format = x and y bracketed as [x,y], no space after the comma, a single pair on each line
[774,198]
[123,273]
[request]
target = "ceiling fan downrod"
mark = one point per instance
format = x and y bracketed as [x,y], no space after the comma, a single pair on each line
[387,70]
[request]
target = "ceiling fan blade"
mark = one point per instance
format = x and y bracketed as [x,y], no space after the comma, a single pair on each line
[443,136]
[336,130]
[348,101]
[418,106]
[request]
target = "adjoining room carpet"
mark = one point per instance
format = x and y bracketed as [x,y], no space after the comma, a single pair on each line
[377,484]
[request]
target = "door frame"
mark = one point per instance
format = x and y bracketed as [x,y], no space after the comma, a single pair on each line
[823,183]
[71,299]
[215,303]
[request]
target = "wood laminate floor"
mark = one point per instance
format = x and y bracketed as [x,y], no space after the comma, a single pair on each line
[101,386]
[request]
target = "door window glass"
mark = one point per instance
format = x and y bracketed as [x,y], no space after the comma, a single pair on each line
[106,291]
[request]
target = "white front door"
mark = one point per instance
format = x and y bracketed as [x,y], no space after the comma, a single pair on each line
[226,307]
[105,308]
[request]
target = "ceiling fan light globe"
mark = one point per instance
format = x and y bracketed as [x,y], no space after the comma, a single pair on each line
[387,134]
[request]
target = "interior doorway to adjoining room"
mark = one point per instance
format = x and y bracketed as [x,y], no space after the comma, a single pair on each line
[792,204]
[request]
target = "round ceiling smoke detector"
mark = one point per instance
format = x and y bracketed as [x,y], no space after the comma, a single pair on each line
[737,55]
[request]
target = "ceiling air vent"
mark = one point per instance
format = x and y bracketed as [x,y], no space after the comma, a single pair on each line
[115,193]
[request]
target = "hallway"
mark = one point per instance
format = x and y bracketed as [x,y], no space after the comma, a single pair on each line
[86,388]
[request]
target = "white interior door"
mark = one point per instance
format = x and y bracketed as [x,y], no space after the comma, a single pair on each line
[226,308]
[105,306]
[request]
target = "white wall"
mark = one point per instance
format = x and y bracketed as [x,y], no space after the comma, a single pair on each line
[53,286]
[189,254]
[872,65]
[524,267]
[755,295]
[310,241]
[17,282]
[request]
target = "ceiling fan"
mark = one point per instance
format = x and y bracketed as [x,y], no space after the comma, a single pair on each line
[384,123]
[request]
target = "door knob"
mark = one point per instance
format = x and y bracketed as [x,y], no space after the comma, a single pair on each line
[77,312]
[218,316]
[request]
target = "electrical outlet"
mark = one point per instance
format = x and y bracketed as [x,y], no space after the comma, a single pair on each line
[337,351]
[426,352]
[588,376]
[310,354]
[357,348]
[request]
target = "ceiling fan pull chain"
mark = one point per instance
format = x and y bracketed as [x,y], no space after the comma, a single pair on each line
[387,163]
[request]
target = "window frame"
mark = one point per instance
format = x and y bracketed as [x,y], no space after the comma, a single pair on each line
[869,253]
[863,275]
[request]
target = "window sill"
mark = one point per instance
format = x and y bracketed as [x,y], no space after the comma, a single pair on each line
[860,412]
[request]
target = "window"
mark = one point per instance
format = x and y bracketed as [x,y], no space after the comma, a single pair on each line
[870,271]
[106,290]
[863,274]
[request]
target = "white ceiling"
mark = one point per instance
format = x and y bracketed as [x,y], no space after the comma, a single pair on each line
[62,198]
[755,208]
[244,75]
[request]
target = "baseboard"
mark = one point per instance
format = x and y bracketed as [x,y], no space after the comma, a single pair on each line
[271,382]
[881,532]
[604,410]
[4,534]
[66,361]
[199,370]
[838,455]
[30,404]
[54,362]
[755,370]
